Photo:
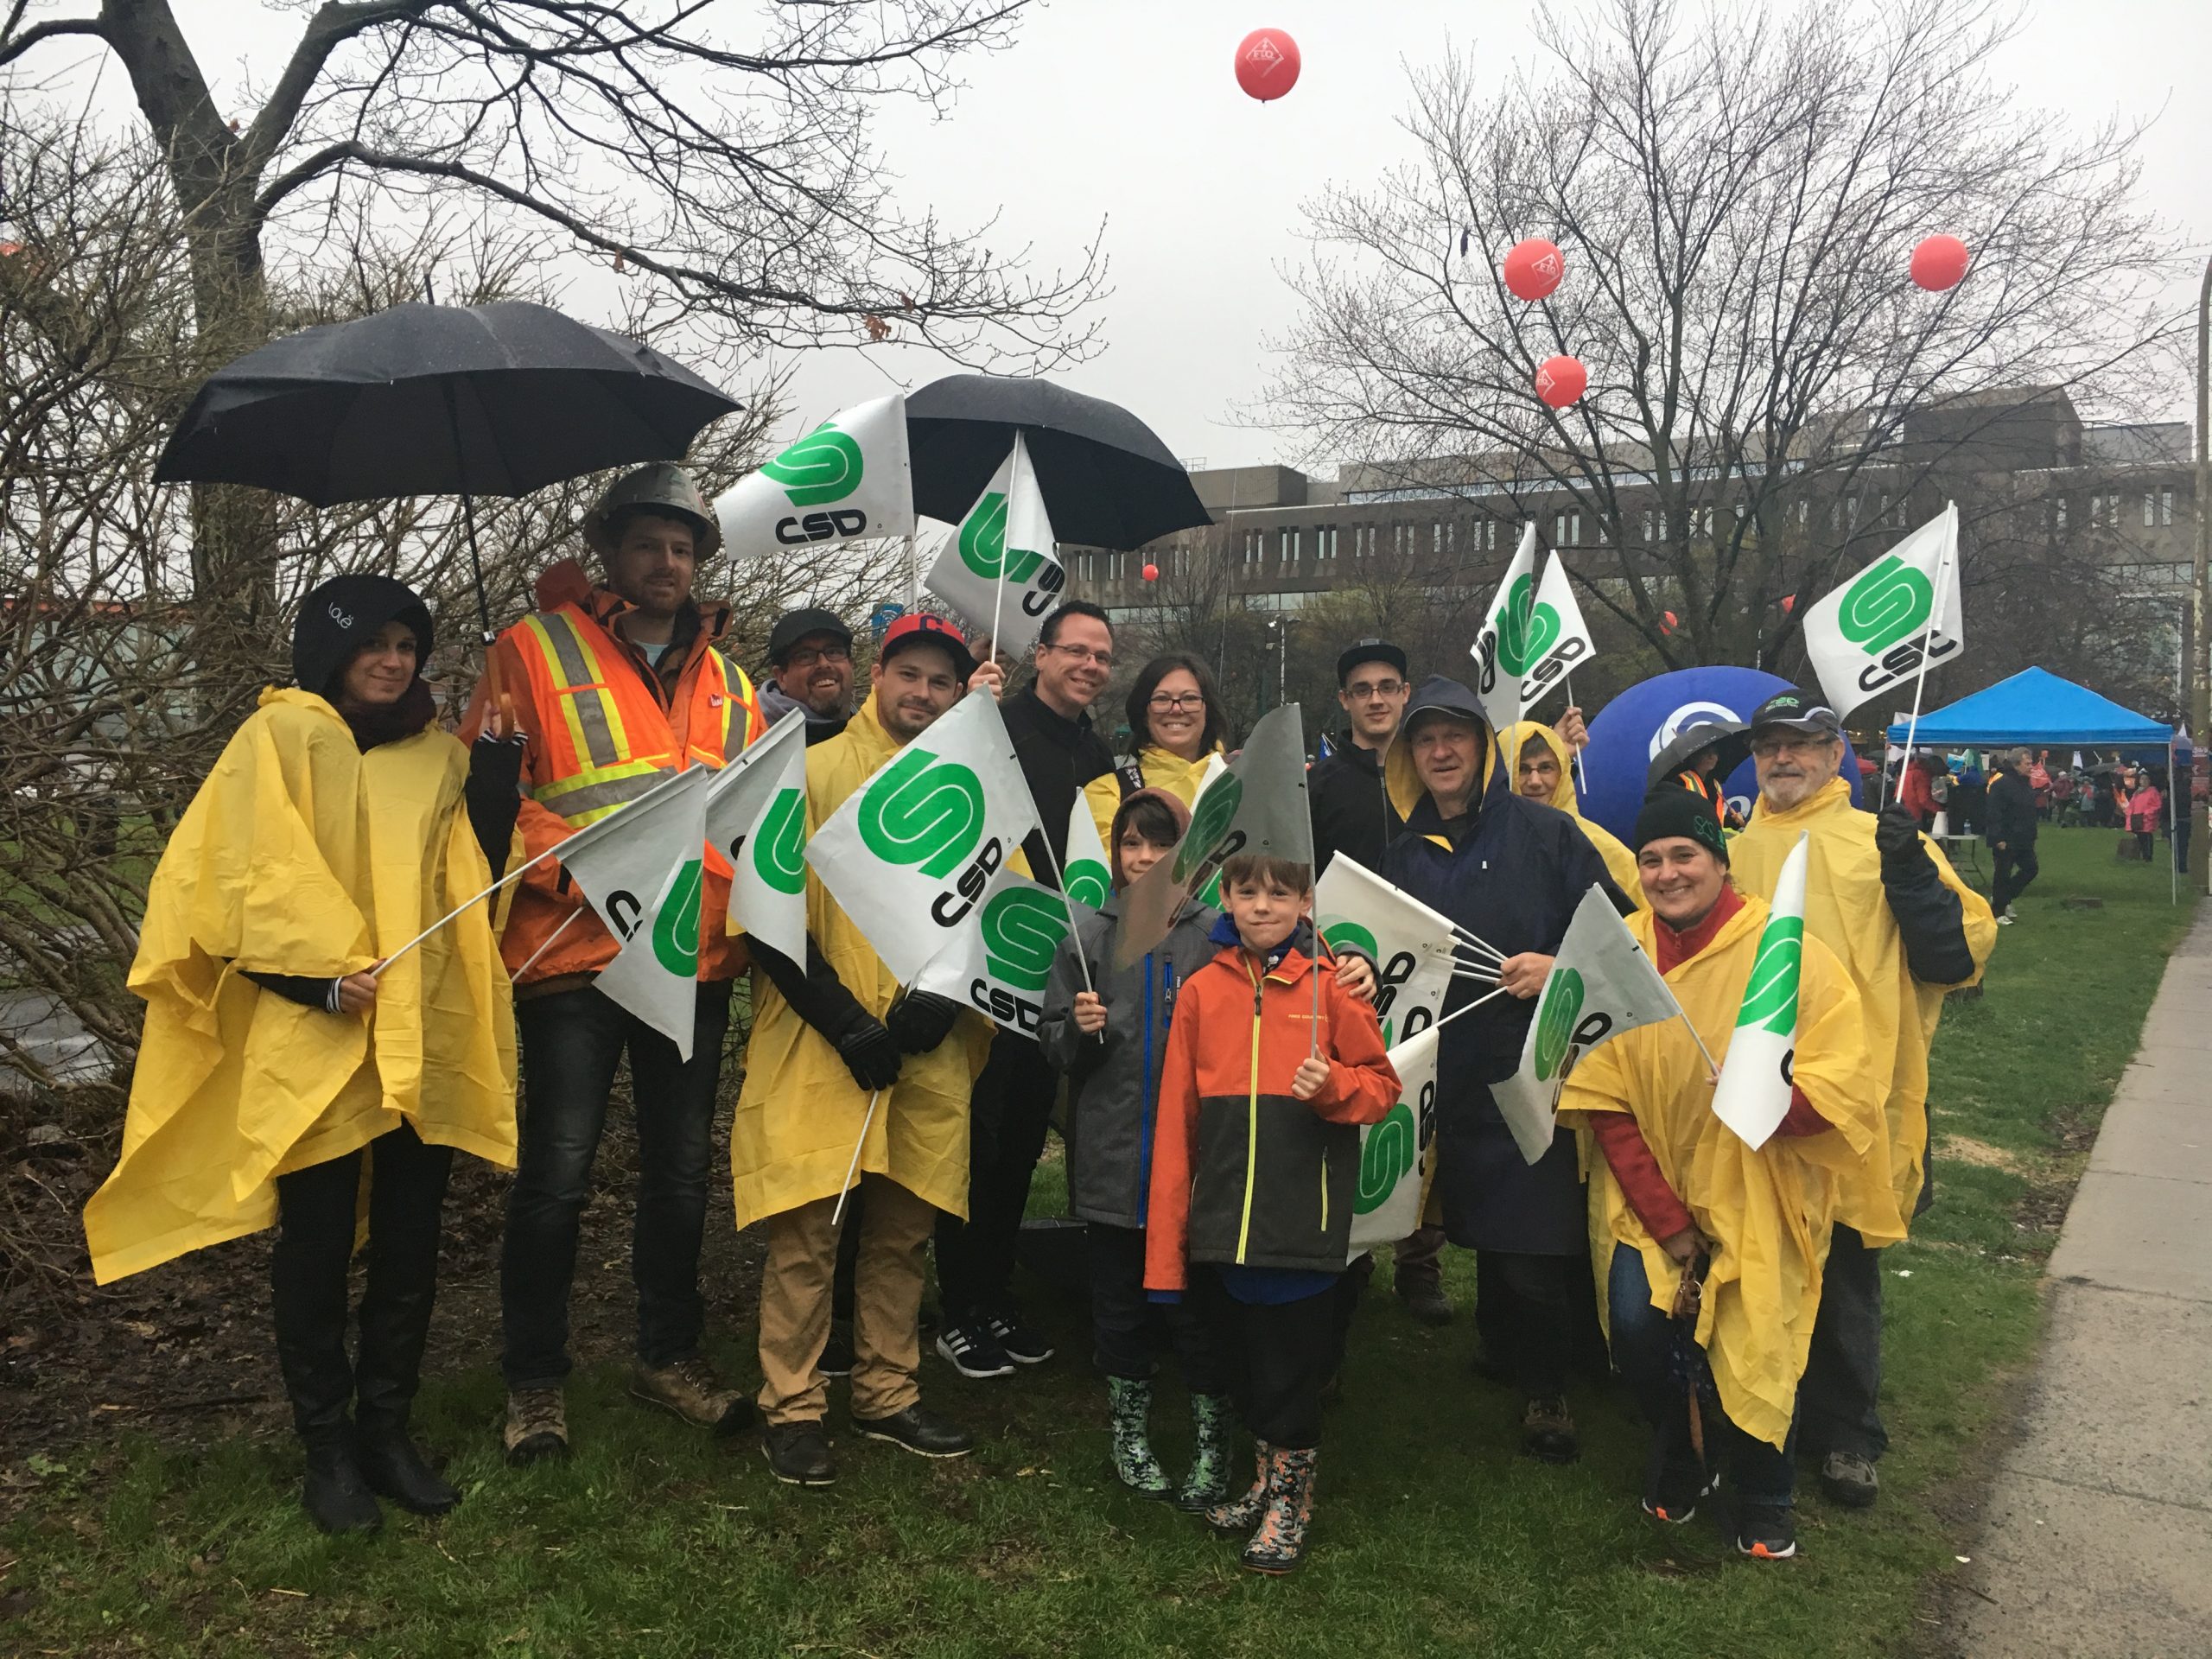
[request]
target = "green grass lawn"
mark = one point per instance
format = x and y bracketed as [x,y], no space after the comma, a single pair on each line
[1433,1537]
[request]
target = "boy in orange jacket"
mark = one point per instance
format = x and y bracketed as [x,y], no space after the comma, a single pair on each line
[1271,1067]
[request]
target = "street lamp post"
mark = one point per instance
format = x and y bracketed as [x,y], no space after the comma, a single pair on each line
[2200,702]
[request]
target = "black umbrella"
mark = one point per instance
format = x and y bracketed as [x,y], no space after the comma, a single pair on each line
[1107,479]
[496,399]
[1726,738]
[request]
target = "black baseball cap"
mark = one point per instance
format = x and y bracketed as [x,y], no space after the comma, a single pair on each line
[1798,712]
[1369,651]
[794,626]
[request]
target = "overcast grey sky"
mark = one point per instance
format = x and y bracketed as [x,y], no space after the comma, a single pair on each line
[1127,110]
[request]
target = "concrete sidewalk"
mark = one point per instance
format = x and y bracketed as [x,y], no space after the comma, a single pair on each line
[2097,1539]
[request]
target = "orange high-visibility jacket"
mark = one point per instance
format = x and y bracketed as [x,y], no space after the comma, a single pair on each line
[601,730]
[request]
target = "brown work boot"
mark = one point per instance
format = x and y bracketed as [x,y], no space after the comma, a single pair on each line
[691,1390]
[538,1426]
[1547,1430]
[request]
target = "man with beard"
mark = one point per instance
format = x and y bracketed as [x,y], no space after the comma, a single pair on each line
[810,668]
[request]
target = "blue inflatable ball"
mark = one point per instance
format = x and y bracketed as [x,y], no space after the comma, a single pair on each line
[1637,724]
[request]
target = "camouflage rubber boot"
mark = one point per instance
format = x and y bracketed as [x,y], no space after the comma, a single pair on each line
[1279,1546]
[1213,1421]
[1240,1515]
[1129,1404]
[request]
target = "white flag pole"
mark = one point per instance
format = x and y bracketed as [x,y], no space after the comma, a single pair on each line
[1468,1008]
[1582,771]
[1481,945]
[567,923]
[846,1191]
[1060,880]
[515,875]
[1712,1066]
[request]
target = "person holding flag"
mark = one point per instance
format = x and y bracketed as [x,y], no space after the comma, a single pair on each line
[839,1056]
[281,1068]
[1711,1247]
[617,685]
[1886,901]
[1508,872]
[1177,723]
[1541,773]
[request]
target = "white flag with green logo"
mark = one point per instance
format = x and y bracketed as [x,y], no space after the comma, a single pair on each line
[756,818]
[1007,531]
[1409,944]
[642,876]
[1086,872]
[999,966]
[1601,984]
[915,850]
[1893,621]
[1393,1154]
[1753,1096]
[1502,651]
[1257,804]
[848,479]
[1559,640]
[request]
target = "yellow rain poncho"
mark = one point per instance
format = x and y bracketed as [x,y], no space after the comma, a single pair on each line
[1769,1212]
[1162,769]
[301,854]
[800,1111]
[1620,863]
[1846,910]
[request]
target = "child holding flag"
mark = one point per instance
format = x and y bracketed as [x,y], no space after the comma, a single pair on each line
[1272,1065]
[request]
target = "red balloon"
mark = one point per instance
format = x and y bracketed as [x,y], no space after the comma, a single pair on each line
[1561,380]
[1533,268]
[1668,624]
[1152,572]
[1266,63]
[1789,603]
[1939,262]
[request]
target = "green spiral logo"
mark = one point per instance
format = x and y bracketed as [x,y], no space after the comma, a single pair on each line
[1022,927]
[1555,1020]
[1770,994]
[1387,1157]
[1087,882]
[923,812]
[1210,821]
[1515,625]
[1343,934]
[676,929]
[823,465]
[982,542]
[779,844]
[1889,603]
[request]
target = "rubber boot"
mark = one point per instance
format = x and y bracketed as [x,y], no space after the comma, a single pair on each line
[1213,1420]
[1129,1402]
[407,1193]
[307,1275]
[1279,1546]
[1238,1516]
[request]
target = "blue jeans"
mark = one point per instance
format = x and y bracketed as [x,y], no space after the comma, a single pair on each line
[572,1043]
[1758,1472]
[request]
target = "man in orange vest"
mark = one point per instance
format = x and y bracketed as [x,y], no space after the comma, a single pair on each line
[615,685]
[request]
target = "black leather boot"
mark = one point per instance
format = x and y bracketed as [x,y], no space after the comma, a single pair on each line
[406,1196]
[307,1275]
[336,1496]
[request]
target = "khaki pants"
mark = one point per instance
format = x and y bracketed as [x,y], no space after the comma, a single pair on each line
[794,1296]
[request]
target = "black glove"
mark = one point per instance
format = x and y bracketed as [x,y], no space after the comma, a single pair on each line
[1896,832]
[869,1053]
[920,1020]
[493,792]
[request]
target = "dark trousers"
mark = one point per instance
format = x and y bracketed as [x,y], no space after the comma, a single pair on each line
[2145,840]
[2011,868]
[316,1210]
[1419,1261]
[1837,1401]
[1277,1356]
[572,1043]
[1757,1472]
[1127,1328]
[1524,1317]
[1008,1110]
[2181,840]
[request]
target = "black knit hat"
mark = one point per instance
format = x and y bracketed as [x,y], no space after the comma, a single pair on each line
[1671,811]
[344,614]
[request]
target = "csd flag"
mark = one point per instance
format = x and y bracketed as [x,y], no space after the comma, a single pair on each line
[1005,541]
[1086,874]
[1411,944]
[756,819]
[1502,651]
[1393,1154]
[1753,1097]
[846,480]
[1893,621]
[999,967]
[640,869]
[1558,637]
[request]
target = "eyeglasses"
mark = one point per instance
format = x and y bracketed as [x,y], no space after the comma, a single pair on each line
[1171,701]
[1361,691]
[807,655]
[1103,658]
[1795,743]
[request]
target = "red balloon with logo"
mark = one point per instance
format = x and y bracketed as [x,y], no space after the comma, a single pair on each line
[1533,268]
[1152,572]
[1939,263]
[1561,380]
[1267,64]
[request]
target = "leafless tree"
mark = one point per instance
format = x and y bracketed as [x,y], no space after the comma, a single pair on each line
[1737,192]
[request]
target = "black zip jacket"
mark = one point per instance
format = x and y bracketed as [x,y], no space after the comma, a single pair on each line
[1351,810]
[1059,756]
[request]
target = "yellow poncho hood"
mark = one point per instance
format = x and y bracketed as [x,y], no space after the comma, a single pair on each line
[1846,910]
[1162,769]
[1768,1211]
[301,854]
[799,1111]
[1620,863]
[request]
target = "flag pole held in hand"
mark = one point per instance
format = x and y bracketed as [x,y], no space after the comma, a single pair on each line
[846,1190]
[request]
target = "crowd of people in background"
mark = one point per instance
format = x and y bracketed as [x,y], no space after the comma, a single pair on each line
[1210,1095]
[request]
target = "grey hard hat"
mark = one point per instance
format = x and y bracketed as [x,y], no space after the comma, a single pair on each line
[666,487]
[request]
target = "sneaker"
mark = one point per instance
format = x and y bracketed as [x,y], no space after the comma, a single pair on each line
[798,1453]
[2007,919]
[1547,1430]
[1424,1299]
[690,1390]
[1675,1497]
[1021,1344]
[837,1354]
[970,1349]
[916,1431]
[1766,1533]
[1850,1480]
[2010,914]
[538,1426]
